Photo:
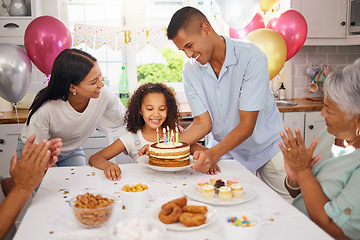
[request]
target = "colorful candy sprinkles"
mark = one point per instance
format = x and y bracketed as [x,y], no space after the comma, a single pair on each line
[240,222]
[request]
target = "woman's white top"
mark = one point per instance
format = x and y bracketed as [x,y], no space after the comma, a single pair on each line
[57,118]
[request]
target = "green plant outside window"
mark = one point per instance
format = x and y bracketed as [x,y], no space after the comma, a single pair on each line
[155,72]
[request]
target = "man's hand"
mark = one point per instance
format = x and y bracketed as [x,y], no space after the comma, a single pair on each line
[203,161]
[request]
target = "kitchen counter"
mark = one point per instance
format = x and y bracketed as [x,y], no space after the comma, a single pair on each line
[11,117]
[303,105]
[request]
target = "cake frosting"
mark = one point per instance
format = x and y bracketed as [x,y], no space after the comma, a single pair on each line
[169,155]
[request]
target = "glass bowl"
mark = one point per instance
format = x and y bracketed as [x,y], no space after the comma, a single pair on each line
[93,216]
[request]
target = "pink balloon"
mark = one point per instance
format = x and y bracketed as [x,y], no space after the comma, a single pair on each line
[45,37]
[233,33]
[256,23]
[292,26]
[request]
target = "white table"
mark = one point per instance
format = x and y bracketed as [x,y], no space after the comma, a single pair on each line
[49,215]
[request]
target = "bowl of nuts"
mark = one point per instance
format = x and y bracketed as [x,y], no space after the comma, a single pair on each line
[92,210]
[134,196]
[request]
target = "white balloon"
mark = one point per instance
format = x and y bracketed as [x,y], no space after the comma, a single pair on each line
[238,13]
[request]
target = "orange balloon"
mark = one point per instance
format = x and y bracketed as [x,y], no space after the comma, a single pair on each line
[274,47]
[266,5]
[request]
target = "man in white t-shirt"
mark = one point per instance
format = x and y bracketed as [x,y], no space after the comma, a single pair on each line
[26,175]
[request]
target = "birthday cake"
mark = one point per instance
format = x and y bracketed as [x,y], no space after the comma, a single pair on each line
[170,154]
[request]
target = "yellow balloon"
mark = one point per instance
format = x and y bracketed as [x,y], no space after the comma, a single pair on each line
[266,5]
[274,47]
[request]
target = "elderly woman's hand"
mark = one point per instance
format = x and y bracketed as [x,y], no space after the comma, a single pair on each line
[296,156]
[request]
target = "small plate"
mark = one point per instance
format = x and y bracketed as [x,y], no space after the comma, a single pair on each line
[144,160]
[178,226]
[248,194]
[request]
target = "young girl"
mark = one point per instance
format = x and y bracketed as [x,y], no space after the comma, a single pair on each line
[152,106]
[73,104]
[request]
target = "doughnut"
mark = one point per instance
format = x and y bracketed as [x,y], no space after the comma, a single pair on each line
[170,213]
[181,202]
[195,209]
[192,219]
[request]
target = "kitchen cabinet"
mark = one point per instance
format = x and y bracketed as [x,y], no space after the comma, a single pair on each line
[314,123]
[309,123]
[8,141]
[12,28]
[294,119]
[9,134]
[327,20]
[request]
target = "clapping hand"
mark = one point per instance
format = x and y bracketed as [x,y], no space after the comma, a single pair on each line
[296,156]
[28,172]
[54,147]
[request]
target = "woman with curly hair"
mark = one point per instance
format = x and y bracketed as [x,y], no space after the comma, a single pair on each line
[151,107]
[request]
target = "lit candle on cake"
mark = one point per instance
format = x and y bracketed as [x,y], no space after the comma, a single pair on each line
[177,134]
[168,134]
[164,131]
[157,135]
[172,137]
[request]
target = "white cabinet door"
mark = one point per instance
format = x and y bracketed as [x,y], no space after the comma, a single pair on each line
[95,143]
[294,119]
[325,18]
[9,134]
[12,28]
[314,123]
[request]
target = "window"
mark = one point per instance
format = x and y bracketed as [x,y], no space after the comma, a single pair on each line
[147,63]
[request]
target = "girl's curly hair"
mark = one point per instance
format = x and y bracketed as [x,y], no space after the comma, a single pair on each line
[133,119]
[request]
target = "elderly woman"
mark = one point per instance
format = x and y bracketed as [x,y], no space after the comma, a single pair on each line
[327,190]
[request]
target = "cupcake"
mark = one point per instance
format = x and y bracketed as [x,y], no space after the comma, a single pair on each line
[201,183]
[225,193]
[237,190]
[214,179]
[218,184]
[231,181]
[208,191]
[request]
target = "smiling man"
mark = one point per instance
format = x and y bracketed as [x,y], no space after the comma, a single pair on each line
[226,82]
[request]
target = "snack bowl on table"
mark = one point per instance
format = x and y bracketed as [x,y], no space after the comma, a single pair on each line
[138,228]
[241,225]
[92,210]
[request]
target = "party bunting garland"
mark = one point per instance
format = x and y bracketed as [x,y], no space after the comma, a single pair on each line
[117,38]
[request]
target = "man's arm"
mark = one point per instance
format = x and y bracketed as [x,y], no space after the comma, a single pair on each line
[238,135]
[200,126]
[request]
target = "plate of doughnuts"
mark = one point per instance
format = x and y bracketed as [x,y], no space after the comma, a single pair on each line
[144,160]
[192,216]
[248,194]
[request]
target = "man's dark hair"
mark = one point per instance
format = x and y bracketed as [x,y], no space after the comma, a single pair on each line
[188,18]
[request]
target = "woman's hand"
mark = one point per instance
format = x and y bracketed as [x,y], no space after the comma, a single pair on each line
[112,172]
[296,156]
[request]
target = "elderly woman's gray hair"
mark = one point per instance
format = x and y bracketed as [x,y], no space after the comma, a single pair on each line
[343,88]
